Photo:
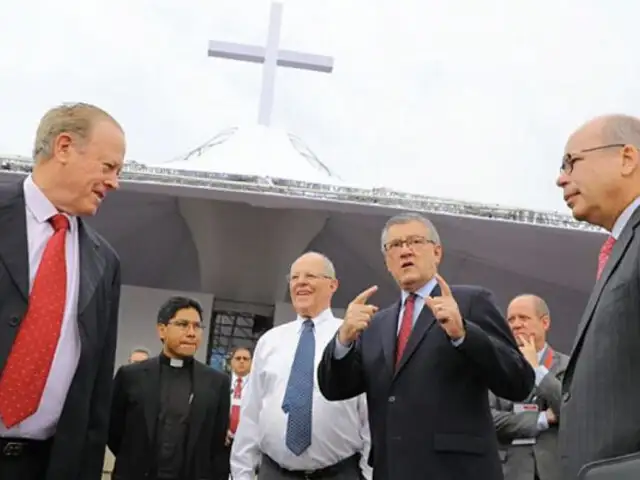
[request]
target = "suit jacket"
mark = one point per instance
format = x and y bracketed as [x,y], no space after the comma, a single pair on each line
[520,462]
[430,418]
[134,414]
[81,434]
[601,392]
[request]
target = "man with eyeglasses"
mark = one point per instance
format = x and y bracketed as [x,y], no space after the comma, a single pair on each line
[170,414]
[600,180]
[286,425]
[240,363]
[426,364]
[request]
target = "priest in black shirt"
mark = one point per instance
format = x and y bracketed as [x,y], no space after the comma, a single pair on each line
[170,414]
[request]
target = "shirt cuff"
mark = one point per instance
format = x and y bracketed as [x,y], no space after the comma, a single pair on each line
[541,372]
[341,350]
[543,424]
[458,342]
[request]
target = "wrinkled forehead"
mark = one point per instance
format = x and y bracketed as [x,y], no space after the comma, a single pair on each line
[308,263]
[587,136]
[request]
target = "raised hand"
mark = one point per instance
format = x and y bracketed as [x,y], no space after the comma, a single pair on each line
[445,309]
[357,317]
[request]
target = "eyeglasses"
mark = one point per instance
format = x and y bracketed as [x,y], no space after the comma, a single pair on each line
[185,324]
[311,277]
[411,242]
[570,159]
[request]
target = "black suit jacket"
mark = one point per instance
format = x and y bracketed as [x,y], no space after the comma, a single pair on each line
[81,435]
[134,413]
[430,419]
[600,414]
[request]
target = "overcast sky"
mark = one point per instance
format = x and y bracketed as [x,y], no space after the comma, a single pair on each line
[460,99]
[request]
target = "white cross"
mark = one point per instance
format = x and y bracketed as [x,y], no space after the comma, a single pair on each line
[270,57]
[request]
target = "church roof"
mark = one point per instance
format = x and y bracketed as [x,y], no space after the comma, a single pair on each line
[256,150]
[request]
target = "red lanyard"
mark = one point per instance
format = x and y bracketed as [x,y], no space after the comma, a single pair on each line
[548,358]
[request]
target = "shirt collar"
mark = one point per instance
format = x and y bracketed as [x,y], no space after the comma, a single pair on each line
[423,292]
[39,205]
[317,321]
[624,217]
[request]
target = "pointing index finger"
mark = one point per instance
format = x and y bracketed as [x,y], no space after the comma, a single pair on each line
[445,289]
[363,297]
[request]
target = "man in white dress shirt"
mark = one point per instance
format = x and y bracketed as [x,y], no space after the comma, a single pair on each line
[240,362]
[287,426]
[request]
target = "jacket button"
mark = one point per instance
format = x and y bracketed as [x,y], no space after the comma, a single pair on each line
[14,321]
[392,399]
[566,396]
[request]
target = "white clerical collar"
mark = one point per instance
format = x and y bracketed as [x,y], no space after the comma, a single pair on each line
[176,362]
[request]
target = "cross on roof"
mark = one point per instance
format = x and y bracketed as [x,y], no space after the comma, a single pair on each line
[271,58]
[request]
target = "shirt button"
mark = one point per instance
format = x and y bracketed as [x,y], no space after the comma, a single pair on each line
[566,396]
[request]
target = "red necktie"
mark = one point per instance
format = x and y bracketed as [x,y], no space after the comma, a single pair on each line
[235,409]
[605,251]
[405,326]
[29,362]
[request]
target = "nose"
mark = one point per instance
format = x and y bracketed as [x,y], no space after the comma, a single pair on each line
[562,179]
[113,183]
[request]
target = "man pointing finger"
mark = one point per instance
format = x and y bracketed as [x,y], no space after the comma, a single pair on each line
[426,364]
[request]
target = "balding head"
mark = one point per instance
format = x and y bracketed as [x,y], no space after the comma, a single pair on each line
[528,316]
[312,283]
[601,169]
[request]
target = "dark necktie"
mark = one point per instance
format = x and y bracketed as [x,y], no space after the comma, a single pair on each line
[29,362]
[406,325]
[605,252]
[235,408]
[298,398]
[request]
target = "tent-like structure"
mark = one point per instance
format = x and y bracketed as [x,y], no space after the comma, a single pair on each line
[256,150]
[234,236]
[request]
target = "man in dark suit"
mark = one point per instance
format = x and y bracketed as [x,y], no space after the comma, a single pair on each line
[600,179]
[170,414]
[60,292]
[528,431]
[426,371]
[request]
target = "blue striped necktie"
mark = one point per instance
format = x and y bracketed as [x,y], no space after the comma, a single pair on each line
[298,398]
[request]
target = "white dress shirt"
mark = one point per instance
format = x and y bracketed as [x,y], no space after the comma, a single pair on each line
[339,429]
[624,218]
[42,424]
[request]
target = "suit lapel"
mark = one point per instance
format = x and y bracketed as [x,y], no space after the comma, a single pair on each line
[151,387]
[199,404]
[92,266]
[423,324]
[617,253]
[14,251]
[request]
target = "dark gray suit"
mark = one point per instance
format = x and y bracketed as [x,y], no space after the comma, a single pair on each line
[520,462]
[79,443]
[601,387]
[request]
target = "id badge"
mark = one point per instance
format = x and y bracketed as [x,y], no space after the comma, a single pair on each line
[522,408]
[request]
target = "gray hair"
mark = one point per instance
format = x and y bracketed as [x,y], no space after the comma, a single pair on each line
[409,217]
[76,119]
[623,129]
[329,269]
[144,350]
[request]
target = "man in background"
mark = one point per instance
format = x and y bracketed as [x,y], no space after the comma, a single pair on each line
[284,420]
[139,354]
[600,181]
[528,430]
[240,364]
[60,291]
[170,414]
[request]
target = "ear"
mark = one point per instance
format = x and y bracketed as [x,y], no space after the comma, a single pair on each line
[630,160]
[438,253]
[162,331]
[546,322]
[62,147]
[334,285]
